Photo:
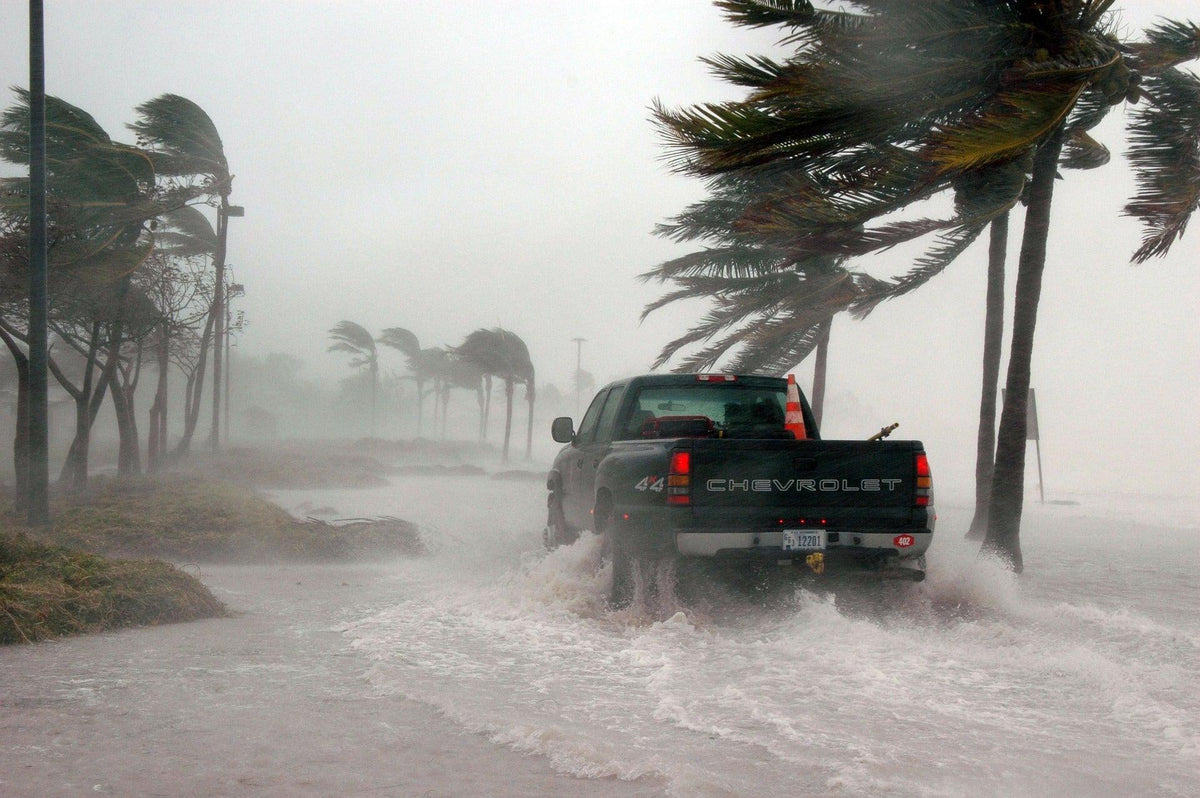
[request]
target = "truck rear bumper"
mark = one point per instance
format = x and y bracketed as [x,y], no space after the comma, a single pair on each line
[897,543]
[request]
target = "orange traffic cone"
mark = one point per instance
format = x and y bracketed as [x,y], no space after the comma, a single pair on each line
[793,419]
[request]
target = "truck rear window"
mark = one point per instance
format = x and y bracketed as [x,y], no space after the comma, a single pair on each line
[724,410]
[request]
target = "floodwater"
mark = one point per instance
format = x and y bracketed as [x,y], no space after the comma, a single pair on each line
[489,667]
[1080,677]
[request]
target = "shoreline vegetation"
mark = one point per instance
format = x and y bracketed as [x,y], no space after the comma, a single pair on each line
[113,555]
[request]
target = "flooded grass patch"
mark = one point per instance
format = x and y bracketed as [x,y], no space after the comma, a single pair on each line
[195,519]
[50,591]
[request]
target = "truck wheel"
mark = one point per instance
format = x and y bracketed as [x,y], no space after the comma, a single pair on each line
[620,594]
[557,533]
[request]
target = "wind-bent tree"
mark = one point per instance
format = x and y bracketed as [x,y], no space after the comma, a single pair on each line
[999,82]
[426,365]
[184,143]
[993,335]
[500,353]
[354,338]
[772,306]
[456,372]
[101,195]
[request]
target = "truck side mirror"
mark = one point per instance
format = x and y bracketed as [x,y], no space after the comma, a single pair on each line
[563,429]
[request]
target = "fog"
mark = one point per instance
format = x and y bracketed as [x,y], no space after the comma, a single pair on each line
[449,167]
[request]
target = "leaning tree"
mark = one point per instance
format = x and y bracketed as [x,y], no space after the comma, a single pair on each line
[354,338]
[184,145]
[1001,85]
[502,354]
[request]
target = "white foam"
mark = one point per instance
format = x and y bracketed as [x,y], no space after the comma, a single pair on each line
[976,681]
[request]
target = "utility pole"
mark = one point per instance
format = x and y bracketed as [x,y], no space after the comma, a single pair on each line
[234,290]
[224,212]
[38,417]
[578,372]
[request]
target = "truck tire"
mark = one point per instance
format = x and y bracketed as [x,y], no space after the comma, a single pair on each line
[620,593]
[557,533]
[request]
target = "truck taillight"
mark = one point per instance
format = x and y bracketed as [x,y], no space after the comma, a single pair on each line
[924,495]
[679,478]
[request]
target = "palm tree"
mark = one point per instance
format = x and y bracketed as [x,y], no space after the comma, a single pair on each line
[184,142]
[456,372]
[354,338]
[784,299]
[425,364]
[500,353]
[999,82]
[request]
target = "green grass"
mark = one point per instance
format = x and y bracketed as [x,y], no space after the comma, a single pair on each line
[59,580]
[195,519]
[49,591]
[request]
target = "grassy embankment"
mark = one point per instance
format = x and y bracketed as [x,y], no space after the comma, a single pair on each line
[50,591]
[60,580]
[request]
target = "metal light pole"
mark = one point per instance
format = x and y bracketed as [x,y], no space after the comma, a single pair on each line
[38,474]
[578,372]
[224,212]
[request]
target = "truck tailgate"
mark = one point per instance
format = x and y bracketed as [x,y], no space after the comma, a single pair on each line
[837,483]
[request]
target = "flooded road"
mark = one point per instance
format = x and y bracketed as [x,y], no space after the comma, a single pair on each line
[491,668]
[271,703]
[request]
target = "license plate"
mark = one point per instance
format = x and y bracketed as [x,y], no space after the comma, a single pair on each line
[803,539]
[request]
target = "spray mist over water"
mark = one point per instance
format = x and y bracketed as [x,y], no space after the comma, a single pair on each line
[1077,677]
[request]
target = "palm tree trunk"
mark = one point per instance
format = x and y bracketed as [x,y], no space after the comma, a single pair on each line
[818,392]
[21,438]
[993,339]
[445,407]
[1008,480]
[508,396]
[487,405]
[529,396]
[374,386]
[479,399]
[420,404]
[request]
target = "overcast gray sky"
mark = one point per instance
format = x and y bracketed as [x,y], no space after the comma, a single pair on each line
[448,166]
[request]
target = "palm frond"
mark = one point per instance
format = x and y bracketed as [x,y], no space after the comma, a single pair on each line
[1081,151]
[351,337]
[1011,124]
[1165,154]
[1168,44]
[762,13]
[186,232]
[401,339]
[947,248]
[183,138]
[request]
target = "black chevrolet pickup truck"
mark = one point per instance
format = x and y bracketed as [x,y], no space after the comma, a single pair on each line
[722,466]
